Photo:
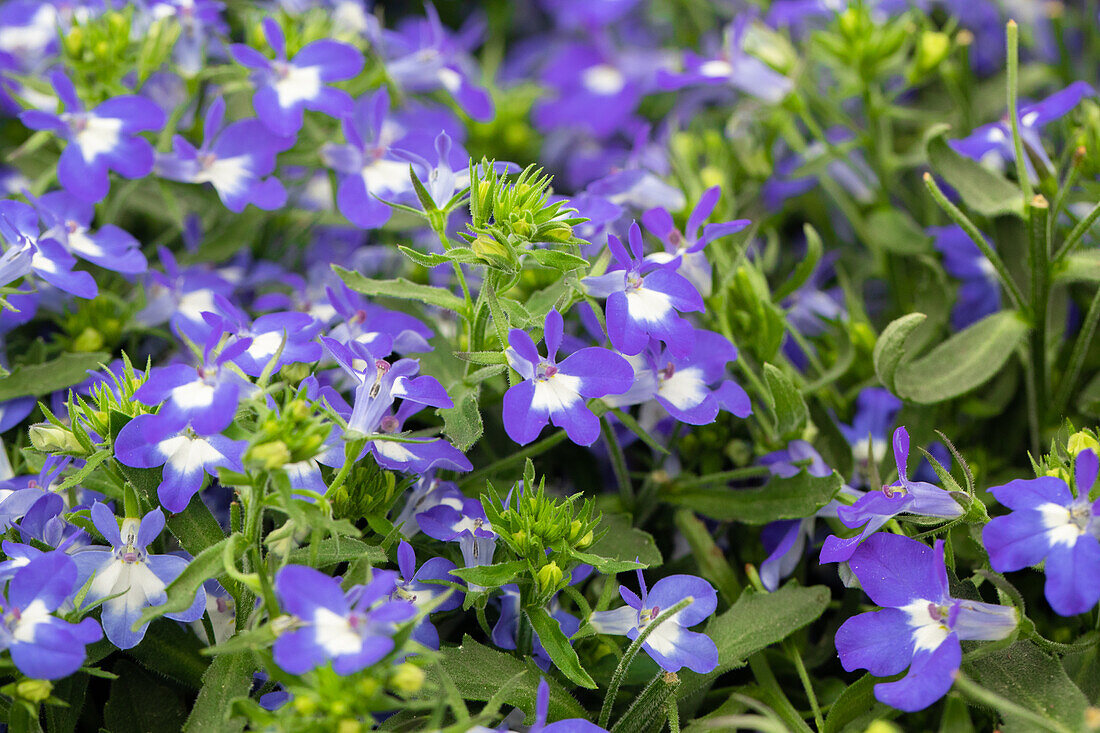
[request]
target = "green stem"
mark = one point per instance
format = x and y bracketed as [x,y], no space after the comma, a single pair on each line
[987,697]
[618,463]
[976,236]
[1013,35]
[628,658]
[762,671]
[807,685]
[518,457]
[673,716]
[1077,233]
[1039,264]
[724,477]
[1077,356]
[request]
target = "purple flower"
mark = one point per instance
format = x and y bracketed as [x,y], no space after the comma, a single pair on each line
[591,87]
[992,143]
[285,88]
[422,56]
[31,251]
[671,644]
[69,220]
[43,646]
[506,628]
[876,508]
[682,384]
[236,160]
[129,577]
[292,332]
[468,526]
[368,166]
[353,630]
[428,492]
[568,725]
[206,396]
[555,392]
[644,300]
[1049,523]
[412,588]
[688,245]
[149,441]
[182,296]
[381,330]
[920,625]
[100,140]
[979,293]
[876,409]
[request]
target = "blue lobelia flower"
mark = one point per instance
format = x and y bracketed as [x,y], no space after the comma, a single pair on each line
[129,577]
[43,646]
[979,292]
[149,441]
[412,587]
[644,299]
[688,245]
[181,295]
[671,644]
[352,630]
[100,140]
[68,220]
[876,508]
[206,396]
[681,385]
[34,252]
[285,88]
[920,625]
[379,329]
[1050,523]
[506,629]
[237,160]
[993,143]
[542,708]
[467,525]
[876,409]
[290,334]
[553,392]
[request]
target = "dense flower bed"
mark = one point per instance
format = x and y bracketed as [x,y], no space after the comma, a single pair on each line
[549,365]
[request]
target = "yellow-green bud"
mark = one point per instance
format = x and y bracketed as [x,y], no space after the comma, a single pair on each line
[407,678]
[563,233]
[50,438]
[522,228]
[295,372]
[305,705]
[549,576]
[1058,473]
[932,49]
[882,726]
[74,40]
[368,687]
[88,340]
[338,707]
[34,690]
[711,176]
[270,455]
[1080,441]
[347,725]
[492,251]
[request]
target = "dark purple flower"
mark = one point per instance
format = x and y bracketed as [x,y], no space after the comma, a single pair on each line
[920,625]
[979,292]
[287,87]
[466,525]
[1049,523]
[100,140]
[33,252]
[413,586]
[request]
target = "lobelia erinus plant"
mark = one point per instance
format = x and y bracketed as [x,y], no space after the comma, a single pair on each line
[553,366]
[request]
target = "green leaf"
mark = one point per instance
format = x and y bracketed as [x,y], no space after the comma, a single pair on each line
[786,401]
[756,621]
[333,550]
[980,189]
[557,646]
[492,576]
[139,703]
[401,288]
[228,677]
[963,362]
[620,540]
[479,672]
[1031,679]
[464,255]
[63,718]
[557,259]
[35,380]
[170,650]
[181,591]
[857,704]
[781,498]
[889,350]
[804,268]
[830,442]
[605,565]
[462,423]
[1079,267]
[893,230]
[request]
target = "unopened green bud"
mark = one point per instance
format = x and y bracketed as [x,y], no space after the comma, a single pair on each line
[50,438]
[522,228]
[563,233]
[549,576]
[74,41]
[294,373]
[1080,441]
[88,340]
[932,49]
[407,678]
[273,454]
[347,725]
[305,705]
[368,687]
[34,690]
[493,252]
